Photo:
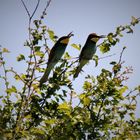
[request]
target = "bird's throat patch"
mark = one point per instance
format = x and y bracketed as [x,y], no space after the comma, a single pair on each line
[65,41]
[95,39]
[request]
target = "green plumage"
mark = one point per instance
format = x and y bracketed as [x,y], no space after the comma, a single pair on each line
[87,52]
[55,55]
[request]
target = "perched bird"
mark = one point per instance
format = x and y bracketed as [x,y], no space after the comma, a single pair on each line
[87,52]
[55,55]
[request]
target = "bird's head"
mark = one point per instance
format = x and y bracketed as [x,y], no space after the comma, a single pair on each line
[65,39]
[94,37]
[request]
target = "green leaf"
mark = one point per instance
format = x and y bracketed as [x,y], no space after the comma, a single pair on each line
[96,58]
[64,106]
[1,97]
[85,99]
[87,85]
[39,53]
[51,35]
[130,30]
[132,115]
[17,77]
[110,37]
[132,107]
[50,121]
[104,47]
[37,131]
[11,90]
[134,21]
[37,48]
[78,47]
[123,89]
[5,50]
[67,56]
[116,68]
[36,23]
[20,57]
[138,88]
[27,43]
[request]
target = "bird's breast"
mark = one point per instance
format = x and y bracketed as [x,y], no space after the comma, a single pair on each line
[59,53]
[89,51]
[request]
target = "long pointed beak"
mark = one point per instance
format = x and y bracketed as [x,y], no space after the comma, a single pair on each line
[70,34]
[102,36]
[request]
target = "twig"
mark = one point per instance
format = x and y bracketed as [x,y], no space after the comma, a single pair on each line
[121,55]
[26,8]
[102,103]
[35,9]
[17,75]
[47,48]
[67,68]
[107,56]
[5,71]
[47,5]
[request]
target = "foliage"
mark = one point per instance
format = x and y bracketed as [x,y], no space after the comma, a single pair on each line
[106,106]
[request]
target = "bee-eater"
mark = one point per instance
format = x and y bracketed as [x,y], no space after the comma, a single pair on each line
[87,52]
[55,55]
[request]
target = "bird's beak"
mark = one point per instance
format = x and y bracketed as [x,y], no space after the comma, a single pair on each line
[102,36]
[70,34]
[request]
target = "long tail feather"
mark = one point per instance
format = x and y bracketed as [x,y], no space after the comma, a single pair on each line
[79,68]
[77,72]
[46,74]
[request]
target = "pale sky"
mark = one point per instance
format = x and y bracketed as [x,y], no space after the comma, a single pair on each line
[80,16]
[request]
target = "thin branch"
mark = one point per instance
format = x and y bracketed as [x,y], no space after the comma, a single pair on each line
[47,48]
[4,68]
[107,56]
[26,8]
[121,55]
[30,71]
[16,74]
[47,5]
[102,103]
[35,9]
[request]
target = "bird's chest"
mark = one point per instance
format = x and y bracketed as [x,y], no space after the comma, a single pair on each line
[59,53]
[90,51]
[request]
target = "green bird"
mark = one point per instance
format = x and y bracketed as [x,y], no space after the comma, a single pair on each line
[55,55]
[87,52]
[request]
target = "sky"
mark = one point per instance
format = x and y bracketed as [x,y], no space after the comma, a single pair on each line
[80,16]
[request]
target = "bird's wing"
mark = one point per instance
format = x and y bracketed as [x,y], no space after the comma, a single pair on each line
[83,53]
[52,53]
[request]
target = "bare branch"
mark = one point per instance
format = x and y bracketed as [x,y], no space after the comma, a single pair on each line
[35,9]
[107,56]
[26,8]
[121,55]
[47,5]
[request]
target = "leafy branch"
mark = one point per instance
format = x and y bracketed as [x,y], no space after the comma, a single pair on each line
[113,38]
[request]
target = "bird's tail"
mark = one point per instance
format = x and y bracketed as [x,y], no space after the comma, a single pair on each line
[77,72]
[79,68]
[46,74]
